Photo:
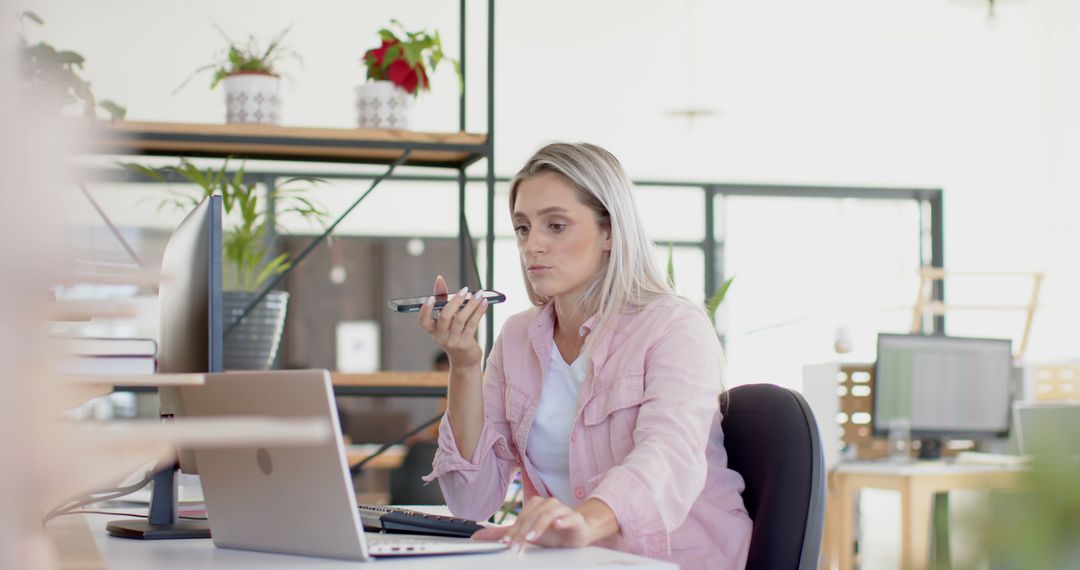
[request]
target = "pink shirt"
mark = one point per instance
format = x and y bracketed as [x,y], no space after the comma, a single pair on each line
[646,436]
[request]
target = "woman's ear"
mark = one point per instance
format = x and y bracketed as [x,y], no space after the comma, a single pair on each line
[607,238]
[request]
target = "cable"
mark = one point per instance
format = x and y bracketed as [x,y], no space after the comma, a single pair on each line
[355,469]
[116,514]
[92,496]
[95,497]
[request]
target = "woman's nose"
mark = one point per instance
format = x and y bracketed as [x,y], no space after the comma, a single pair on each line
[534,243]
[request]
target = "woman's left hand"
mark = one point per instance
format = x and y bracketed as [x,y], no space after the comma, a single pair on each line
[548,522]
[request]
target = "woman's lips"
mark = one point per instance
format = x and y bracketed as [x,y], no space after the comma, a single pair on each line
[537,268]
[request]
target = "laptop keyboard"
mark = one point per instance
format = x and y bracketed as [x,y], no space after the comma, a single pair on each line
[379,518]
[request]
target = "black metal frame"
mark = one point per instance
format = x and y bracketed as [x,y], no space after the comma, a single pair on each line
[931,199]
[932,223]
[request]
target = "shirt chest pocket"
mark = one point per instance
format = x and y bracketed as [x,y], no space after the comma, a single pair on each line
[625,393]
[516,401]
[517,406]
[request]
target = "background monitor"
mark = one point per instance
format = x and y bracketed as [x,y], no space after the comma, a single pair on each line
[946,387]
[190,340]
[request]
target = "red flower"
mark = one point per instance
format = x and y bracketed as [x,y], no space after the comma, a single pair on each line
[402,76]
[373,58]
[386,65]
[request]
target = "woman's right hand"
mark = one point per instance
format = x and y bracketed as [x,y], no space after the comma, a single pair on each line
[455,328]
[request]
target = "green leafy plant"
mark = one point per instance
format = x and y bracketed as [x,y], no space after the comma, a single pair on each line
[53,74]
[245,248]
[247,57]
[713,303]
[1042,529]
[402,61]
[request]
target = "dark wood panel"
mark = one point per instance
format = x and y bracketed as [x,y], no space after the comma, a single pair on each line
[405,345]
[377,269]
[316,304]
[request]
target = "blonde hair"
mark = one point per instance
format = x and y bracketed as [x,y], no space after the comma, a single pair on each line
[630,276]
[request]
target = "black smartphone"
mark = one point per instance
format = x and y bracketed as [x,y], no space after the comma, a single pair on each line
[413,304]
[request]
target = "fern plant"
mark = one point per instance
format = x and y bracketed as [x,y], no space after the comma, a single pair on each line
[247,57]
[245,249]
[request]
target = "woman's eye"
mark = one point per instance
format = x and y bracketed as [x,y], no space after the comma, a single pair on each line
[521,230]
[557,227]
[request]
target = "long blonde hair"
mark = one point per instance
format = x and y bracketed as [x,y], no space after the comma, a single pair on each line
[630,276]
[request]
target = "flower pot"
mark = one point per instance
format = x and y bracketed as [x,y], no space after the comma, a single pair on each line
[253,98]
[382,105]
[253,344]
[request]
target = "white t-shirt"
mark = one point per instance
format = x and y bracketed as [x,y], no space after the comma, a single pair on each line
[549,437]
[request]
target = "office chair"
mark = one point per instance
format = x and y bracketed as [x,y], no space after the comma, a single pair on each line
[406,486]
[772,440]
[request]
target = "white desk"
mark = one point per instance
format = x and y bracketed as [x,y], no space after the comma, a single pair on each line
[193,554]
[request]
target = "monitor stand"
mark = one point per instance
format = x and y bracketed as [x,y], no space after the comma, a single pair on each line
[930,448]
[163,521]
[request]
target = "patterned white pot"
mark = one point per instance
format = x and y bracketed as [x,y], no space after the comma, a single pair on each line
[253,98]
[382,105]
[253,344]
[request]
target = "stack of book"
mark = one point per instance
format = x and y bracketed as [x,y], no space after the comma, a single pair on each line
[109,356]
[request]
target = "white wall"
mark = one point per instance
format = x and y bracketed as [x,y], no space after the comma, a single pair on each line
[912,92]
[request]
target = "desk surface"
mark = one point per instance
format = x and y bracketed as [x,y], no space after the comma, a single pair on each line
[126,554]
[921,468]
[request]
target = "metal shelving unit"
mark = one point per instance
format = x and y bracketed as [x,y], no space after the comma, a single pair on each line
[455,151]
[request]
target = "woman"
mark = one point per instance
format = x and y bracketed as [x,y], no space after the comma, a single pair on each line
[605,394]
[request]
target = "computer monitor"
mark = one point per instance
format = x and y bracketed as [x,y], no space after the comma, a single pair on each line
[190,298]
[946,387]
[191,340]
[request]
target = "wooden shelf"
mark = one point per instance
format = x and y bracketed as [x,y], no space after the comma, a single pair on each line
[274,142]
[407,384]
[389,459]
[136,380]
[89,309]
[413,384]
[215,432]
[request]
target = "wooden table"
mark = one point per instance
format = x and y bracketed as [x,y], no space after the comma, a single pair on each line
[917,484]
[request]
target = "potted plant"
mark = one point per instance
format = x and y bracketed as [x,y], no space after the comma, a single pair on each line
[251,78]
[397,71]
[248,262]
[712,304]
[53,75]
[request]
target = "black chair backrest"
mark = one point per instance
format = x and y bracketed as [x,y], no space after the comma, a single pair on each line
[406,485]
[772,440]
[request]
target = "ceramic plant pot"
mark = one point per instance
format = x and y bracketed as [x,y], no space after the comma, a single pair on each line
[253,98]
[254,343]
[382,105]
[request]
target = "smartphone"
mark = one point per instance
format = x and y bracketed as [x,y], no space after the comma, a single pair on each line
[413,304]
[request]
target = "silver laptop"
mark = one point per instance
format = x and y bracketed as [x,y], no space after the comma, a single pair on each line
[1049,430]
[290,499]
